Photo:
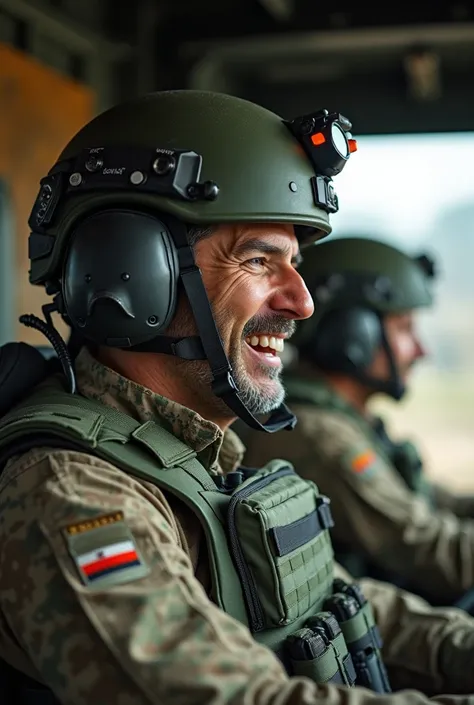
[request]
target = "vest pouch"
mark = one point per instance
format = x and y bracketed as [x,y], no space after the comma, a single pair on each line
[277,526]
[319,652]
[356,620]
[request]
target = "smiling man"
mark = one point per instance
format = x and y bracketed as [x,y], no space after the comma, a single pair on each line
[254,311]
[140,563]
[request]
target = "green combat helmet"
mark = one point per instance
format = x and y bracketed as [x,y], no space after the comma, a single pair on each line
[355,282]
[110,225]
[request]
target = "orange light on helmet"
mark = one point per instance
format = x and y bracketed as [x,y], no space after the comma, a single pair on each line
[318,139]
[326,140]
[352,145]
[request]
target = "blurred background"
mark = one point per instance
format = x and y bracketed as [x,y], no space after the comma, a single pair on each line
[402,74]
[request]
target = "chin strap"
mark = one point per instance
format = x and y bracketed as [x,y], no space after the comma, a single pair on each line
[208,346]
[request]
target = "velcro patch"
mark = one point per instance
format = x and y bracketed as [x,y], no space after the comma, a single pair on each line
[104,551]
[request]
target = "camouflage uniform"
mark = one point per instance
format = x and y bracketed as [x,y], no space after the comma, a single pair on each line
[426,539]
[159,639]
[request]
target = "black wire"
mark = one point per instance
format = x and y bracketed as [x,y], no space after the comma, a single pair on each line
[31,321]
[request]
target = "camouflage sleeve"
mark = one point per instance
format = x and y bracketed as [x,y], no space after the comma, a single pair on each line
[424,647]
[104,601]
[375,513]
[427,648]
[460,505]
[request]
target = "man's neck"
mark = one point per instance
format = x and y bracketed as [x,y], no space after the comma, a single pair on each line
[350,390]
[162,375]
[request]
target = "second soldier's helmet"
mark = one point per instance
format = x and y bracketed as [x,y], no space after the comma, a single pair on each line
[355,282]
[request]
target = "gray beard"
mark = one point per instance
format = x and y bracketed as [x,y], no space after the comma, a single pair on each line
[254,396]
[258,399]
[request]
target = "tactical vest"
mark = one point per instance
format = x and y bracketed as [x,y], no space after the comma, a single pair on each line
[402,456]
[270,553]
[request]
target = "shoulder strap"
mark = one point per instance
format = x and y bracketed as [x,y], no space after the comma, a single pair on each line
[54,418]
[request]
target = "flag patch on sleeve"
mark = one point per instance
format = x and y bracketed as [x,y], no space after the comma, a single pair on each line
[108,559]
[363,462]
[105,552]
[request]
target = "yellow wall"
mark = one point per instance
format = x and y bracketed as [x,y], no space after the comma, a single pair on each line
[39,111]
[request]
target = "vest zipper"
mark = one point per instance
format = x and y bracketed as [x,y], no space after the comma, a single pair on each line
[252,599]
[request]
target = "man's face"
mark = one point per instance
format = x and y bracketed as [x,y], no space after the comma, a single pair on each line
[405,344]
[256,295]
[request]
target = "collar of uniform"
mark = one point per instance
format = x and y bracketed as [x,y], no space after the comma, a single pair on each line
[232,451]
[217,451]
